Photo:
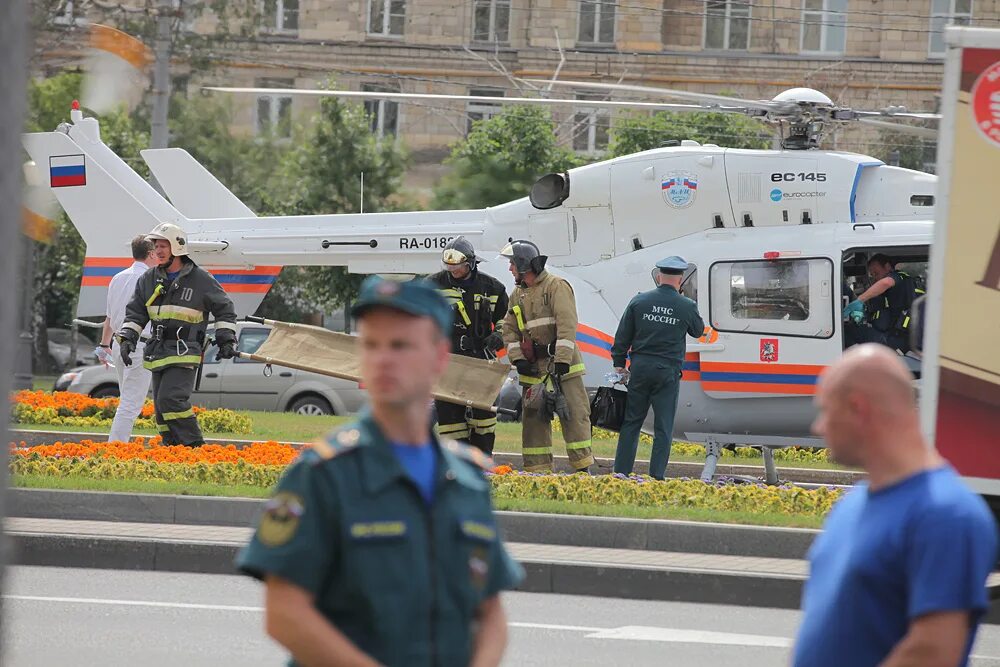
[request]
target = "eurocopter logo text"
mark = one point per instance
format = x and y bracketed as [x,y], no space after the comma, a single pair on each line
[777,195]
[679,188]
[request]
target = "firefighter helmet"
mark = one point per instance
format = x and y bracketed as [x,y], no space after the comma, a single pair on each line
[170,232]
[458,252]
[525,256]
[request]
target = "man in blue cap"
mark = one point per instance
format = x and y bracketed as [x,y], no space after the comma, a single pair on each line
[652,334]
[379,546]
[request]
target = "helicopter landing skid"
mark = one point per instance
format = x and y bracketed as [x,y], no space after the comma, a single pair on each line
[715,443]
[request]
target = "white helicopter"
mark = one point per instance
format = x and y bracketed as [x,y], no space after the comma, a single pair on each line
[772,238]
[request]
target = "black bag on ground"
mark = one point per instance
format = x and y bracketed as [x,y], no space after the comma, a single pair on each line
[607,410]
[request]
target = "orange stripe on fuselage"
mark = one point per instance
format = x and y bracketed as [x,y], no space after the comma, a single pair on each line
[775,369]
[760,388]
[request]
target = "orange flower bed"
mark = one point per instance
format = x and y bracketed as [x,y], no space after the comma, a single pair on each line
[258,453]
[71,403]
[503,470]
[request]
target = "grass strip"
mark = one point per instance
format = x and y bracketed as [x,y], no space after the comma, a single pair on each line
[546,506]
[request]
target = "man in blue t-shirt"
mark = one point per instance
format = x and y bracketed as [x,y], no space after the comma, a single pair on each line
[898,575]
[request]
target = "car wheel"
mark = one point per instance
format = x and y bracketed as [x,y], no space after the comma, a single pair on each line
[310,405]
[105,391]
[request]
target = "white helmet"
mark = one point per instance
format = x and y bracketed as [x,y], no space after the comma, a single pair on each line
[167,231]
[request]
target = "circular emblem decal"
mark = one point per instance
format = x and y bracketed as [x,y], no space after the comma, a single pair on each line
[679,188]
[986,103]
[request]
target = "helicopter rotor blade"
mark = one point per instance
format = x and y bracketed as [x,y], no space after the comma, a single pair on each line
[405,97]
[923,132]
[732,103]
[890,113]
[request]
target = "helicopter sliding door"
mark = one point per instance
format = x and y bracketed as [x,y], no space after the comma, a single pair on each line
[775,319]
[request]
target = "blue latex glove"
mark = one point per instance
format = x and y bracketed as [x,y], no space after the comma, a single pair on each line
[854,311]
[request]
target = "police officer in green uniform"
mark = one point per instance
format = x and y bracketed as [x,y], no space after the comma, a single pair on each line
[380,546]
[653,328]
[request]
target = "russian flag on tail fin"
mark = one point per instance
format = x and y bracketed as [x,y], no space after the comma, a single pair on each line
[67,170]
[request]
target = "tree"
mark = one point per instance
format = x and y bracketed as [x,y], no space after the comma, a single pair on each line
[501,158]
[636,133]
[905,150]
[244,164]
[323,175]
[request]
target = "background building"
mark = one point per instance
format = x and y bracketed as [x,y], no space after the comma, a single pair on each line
[863,53]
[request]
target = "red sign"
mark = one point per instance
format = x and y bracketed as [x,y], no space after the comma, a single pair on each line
[768,350]
[985,102]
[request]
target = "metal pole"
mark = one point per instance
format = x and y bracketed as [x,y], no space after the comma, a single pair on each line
[13,79]
[161,75]
[24,358]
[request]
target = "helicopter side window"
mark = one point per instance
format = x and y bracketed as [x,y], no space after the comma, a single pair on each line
[785,296]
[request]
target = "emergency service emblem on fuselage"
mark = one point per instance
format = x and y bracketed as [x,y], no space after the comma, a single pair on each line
[679,188]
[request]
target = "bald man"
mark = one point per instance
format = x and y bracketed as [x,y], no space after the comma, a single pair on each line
[898,576]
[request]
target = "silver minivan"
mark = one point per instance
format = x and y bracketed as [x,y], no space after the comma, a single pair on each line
[240,384]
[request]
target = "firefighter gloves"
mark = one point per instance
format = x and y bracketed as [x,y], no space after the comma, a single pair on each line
[494,342]
[561,369]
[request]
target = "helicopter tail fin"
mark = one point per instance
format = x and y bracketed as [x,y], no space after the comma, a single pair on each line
[192,188]
[106,213]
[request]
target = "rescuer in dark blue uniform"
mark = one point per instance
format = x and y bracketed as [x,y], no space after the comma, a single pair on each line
[652,334]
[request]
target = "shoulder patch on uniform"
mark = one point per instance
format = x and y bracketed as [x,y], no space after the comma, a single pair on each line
[469,453]
[337,443]
[280,519]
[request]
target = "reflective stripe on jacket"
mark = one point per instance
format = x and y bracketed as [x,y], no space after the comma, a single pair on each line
[179,309]
[548,309]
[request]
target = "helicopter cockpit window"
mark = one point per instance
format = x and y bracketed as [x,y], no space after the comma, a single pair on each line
[784,296]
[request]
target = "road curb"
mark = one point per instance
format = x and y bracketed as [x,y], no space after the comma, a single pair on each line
[631,582]
[33,438]
[534,528]
[541,577]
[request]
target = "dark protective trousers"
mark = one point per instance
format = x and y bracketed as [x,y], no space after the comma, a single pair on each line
[478,430]
[855,334]
[657,384]
[175,420]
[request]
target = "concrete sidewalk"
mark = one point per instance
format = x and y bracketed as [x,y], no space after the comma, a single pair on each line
[606,572]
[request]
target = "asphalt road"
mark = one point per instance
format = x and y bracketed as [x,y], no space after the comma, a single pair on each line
[105,617]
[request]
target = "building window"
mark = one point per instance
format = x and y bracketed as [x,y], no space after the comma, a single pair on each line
[477,111]
[383,115]
[597,22]
[945,13]
[386,17]
[590,127]
[274,112]
[280,15]
[491,21]
[792,297]
[727,25]
[823,26]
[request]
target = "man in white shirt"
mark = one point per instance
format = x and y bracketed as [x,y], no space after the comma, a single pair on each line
[133,381]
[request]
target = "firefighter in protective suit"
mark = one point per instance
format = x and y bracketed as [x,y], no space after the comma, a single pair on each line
[540,333]
[176,297]
[480,303]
